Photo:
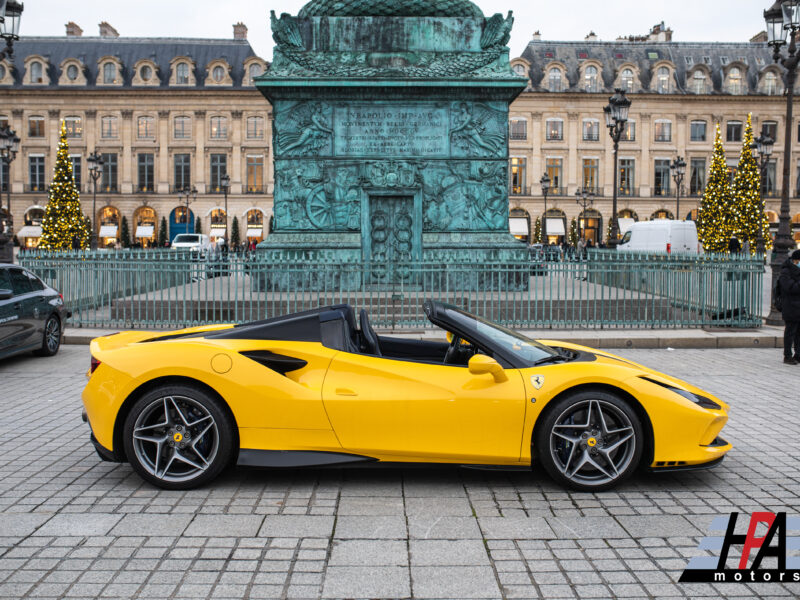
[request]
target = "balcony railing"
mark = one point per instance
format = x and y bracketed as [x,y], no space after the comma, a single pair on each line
[255,189]
[663,137]
[110,188]
[591,136]
[628,192]
[555,138]
[145,189]
[557,191]
[518,136]
[595,191]
[662,191]
[518,190]
[177,189]
[33,188]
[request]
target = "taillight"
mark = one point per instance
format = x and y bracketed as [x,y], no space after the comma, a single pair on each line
[669,248]
[60,295]
[95,364]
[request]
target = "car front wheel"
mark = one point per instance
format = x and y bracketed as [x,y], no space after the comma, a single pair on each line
[51,339]
[178,437]
[590,441]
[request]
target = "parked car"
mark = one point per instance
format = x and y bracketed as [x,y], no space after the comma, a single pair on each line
[194,242]
[661,235]
[539,255]
[32,314]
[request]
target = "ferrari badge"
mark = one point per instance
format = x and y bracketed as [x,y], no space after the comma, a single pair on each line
[537,381]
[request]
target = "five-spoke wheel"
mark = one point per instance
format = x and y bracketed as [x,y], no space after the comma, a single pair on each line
[178,437]
[590,441]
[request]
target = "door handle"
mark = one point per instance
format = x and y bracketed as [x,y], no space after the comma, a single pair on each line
[345,392]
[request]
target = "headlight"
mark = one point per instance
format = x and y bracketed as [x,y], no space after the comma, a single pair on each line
[701,401]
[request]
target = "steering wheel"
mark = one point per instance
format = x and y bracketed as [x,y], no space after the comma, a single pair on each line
[453,351]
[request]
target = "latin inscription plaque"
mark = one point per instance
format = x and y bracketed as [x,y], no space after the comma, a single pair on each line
[391,130]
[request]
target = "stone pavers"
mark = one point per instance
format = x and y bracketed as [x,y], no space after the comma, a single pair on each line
[72,526]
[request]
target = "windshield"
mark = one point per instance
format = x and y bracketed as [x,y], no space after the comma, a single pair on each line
[186,238]
[626,238]
[526,349]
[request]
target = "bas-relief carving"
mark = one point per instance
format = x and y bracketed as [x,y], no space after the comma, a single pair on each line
[303,129]
[477,129]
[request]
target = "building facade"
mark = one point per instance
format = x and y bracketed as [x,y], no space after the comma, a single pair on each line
[165,115]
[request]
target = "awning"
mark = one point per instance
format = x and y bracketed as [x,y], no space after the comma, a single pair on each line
[107,231]
[218,229]
[144,231]
[624,223]
[555,227]
[30,231]
[518,226]
[255,231]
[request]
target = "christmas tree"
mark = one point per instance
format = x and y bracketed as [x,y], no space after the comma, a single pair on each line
[715,223]
[537,231]
[64,226]
[573,232]
[747,208]
[235,239]
[125,233]
[162,233]
[198,226]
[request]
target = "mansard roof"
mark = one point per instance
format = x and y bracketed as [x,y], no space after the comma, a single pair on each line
[755,56]
[129,51]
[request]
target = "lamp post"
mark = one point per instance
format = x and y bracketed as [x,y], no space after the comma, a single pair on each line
[545,183]
[584,199]
[10,16]
[9,146]
[678,168]
[616,112]
[225,181]
[186,196]
[95,164]
[762,146]
[783,21]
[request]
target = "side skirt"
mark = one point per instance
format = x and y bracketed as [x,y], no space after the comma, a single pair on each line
[297,458]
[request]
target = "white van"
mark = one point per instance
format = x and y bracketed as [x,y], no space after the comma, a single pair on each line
[196,242]
[661,235]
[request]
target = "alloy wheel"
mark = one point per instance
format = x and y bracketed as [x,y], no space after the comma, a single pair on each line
[52,335]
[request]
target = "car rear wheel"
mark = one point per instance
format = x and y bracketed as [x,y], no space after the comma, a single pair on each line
[590,441]
[51,339]
[178,437]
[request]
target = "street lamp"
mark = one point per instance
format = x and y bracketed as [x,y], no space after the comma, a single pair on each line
[9,146]
[783,21]
[225,181]
[678,168]
[187,195]
[616,118]
[545,183]
[584,198]
[95,164]
[10,16]
[762,146]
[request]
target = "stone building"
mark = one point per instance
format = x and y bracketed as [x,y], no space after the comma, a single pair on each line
[680,92]
[164,114]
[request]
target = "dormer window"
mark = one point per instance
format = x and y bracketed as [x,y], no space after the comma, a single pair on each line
[590,77]
[698,82]
[519,69]
[182,74]
[555,80]
[37,72]
[255,70]
[662,82]
[146,73]
[218,74]
[770,83]
[626,80]
[72,72]
[109,72]
[735,81]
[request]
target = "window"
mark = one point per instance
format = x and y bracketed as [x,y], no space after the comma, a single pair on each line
[36,173]
[697,131]
[707,60]
[590,174]
[108,127]
[518,129]
[555,129]
[255,128]
[145,127]
[627,172]
[183,172]
[661,177]
[591,130]
[629,135]
[35,126]
[734,131]
[146,173]
[554,80]
[689,61]
[771,83]
[37,72]
[20,283]
[723,60]
[735,81]
[255,174]
[75,159]
[663,131]
[626,80]
[699,82]
[254,70]
[769,183]
[697,176]
[109,72]
[219,166]
[519,69]
[73,127]
[3,121]
[3,176]
[109,172]
[72,72]
[554,167]
[517,173]
[182,73]
[146,72]
[590,76]
[218,74]
[219,128]
[663,76]
[770,128]
[182,128]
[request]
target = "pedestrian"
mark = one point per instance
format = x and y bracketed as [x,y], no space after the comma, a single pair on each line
[746,247]
[581,248]
[787,296]
[734,246]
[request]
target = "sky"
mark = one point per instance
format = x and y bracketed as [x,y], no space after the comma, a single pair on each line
[691,20]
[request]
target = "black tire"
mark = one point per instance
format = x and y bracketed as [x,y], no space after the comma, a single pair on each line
[601,456]
[51,338]
[166,414]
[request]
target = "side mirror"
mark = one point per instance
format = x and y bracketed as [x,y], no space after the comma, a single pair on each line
[6,294]
[480,364]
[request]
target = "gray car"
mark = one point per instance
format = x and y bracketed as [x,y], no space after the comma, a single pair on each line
[32,314]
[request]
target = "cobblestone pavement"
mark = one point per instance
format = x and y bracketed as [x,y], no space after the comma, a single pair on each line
[72,526]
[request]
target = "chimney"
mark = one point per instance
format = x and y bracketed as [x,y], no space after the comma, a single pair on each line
[240,31]
[107,31]
[73,29]
[760,37]
[537,36]
[592,37]
[660,33]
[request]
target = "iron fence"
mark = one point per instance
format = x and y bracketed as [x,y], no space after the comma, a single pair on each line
[607,289]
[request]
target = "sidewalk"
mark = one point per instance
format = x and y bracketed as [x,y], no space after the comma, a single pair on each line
[763,337]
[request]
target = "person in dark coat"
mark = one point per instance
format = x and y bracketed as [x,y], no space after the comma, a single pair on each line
[789,282]
[734,247]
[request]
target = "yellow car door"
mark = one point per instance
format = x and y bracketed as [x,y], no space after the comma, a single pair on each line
[396,409]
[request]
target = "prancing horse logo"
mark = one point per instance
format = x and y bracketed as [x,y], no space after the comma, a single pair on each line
[537,381]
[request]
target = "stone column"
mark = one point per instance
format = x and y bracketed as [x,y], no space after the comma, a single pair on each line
[236,172]
[645,168]
[54,133]
[18,168]
[572,167]
[162,171]
[536,168]
[125,174]
[199,166]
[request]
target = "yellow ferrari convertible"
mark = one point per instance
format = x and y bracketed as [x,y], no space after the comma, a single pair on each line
[315,388]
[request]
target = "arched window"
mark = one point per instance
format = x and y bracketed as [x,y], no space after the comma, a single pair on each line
[735,81]
[146,72]
[519,69]
[218,73]
[698,82]
[590,77]
[590,224]
[72,72]
[626,80]
[109,72]
[519,224]
[771,83]
[255,225]
[182,73]
[255,70]
[109,226]
[663,80]
[36,72]
[662,214]
[554,81]
[145,232]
